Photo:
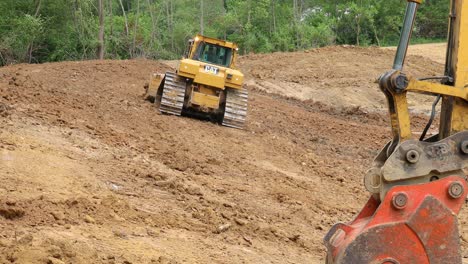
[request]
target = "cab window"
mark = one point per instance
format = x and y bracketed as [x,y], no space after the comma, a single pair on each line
[214,54]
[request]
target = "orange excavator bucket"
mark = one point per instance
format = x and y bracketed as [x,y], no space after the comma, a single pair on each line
[414,224]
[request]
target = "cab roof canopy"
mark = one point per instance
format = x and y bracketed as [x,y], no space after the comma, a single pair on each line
[218,42]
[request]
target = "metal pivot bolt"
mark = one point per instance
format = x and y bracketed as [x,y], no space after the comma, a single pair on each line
[399,200]
[412,156]
[400,83]
[456,190]
[464,147]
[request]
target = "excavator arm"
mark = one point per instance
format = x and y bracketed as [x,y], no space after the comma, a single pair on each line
[417,186]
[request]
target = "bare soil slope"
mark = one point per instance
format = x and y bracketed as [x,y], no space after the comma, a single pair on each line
[342,76]
[91,173]
[432,51]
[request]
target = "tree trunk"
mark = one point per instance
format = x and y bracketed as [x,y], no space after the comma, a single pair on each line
[38,7]
[74,8]
[376,36]
[135,28]
[296,24]
[358,29]
[273,14]
[202,23]
[225,10]
[170,22]
[153,23]
[101,30]
[250,12]
[3,61]
[31,45]
[111,15]
[125,17]
[172,26]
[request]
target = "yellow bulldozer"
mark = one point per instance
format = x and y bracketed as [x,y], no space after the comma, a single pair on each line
[206,84]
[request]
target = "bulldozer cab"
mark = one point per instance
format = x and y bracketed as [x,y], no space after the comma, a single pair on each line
[212,51]
[215,54]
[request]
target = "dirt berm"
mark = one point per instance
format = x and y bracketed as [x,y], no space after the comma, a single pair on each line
[90,172]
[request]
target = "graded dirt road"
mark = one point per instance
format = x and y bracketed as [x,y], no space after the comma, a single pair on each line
[91,173]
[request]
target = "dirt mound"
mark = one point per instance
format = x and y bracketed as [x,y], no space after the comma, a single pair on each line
[432,51]
[91,173]
[341,76]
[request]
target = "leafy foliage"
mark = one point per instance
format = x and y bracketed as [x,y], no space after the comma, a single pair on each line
[40,30]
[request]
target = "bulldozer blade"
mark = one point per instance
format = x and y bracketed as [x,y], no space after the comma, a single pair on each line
[152,87]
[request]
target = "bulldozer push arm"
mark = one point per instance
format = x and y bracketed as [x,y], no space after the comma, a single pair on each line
[417,186]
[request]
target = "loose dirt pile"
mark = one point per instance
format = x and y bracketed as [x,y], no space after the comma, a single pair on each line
[435,52]
[91,173]
[338,76]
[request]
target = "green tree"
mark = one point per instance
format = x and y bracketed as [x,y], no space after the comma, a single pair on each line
[40,31]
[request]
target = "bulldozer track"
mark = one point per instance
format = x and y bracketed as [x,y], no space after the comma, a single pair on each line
[236,108]
[172,100]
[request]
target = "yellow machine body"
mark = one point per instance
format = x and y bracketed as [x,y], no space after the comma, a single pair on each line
[210,75]
[454,116]
[206,83]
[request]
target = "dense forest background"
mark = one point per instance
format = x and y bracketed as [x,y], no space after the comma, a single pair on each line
[37,31]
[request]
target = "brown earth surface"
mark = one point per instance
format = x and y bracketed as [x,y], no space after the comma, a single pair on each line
[432,51]
[338,76]
[90,172]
